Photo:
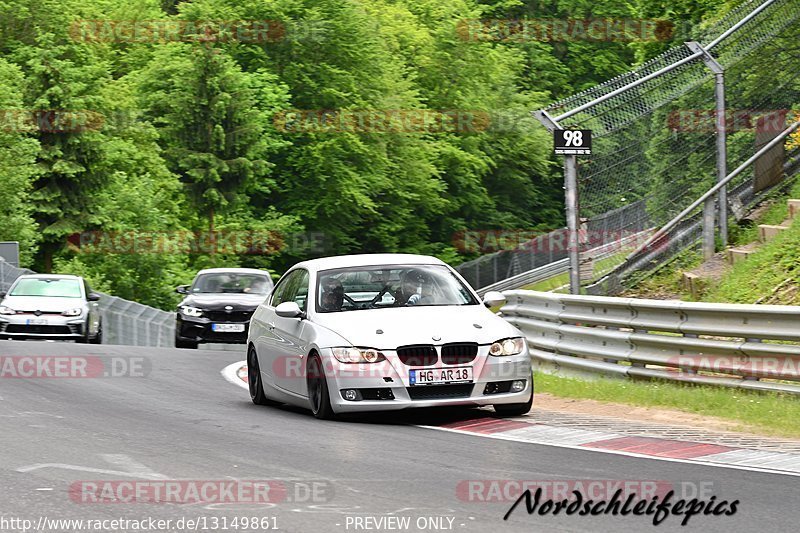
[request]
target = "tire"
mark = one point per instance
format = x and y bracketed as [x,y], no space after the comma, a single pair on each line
[98,338]
[514,409]
[318,394]
[254,382]
[185,344]
[85,339]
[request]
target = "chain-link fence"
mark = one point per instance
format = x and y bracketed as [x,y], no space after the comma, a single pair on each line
[654,145]
[655,142]
[8,273]
[596,234]
[124,322]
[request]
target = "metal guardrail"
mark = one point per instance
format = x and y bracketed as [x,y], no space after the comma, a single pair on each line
[754,347]
[557,268]
[124,322]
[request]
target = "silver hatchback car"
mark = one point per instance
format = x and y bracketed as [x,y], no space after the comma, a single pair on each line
[51,306]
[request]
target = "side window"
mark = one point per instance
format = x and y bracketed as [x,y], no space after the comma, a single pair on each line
[86,289]
[293,288]
[301,296]
[279,289]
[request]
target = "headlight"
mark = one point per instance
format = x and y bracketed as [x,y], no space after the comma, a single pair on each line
[358,355]
[507,347]
[188,310]
[73,312]
[6,310]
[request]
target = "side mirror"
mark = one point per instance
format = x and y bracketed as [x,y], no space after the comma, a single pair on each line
[3,294]
[289,310]
[93,297]
[493,299]
[182,289]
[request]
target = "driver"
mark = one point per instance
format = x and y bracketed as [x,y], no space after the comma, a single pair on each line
[332,296]
[413,288]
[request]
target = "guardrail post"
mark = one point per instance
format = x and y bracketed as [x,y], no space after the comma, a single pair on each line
[752,378]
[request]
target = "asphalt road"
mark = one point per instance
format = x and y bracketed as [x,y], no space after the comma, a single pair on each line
[183,421]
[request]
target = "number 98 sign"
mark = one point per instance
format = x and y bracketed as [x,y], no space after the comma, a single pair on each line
[573,142]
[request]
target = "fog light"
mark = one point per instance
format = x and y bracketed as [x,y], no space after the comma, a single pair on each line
[517,386]
[350,395]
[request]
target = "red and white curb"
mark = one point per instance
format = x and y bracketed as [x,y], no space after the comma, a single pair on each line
[236,373]
[526,429]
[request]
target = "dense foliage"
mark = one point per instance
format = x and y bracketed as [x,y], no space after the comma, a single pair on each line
[189,134]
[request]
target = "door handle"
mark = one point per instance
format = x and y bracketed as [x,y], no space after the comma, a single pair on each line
[271,325]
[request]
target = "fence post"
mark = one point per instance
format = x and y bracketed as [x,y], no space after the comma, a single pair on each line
[573,221]
[572,207]
[722,156]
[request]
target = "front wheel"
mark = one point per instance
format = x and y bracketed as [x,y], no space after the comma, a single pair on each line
[514,409]
[318,394]
[85,338]
[98,338]
[180,343]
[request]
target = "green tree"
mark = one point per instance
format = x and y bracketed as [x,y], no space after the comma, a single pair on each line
[211,119]
[17,164]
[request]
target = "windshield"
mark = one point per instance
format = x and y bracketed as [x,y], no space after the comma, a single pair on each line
[228,282]
[351,289]
[62,288]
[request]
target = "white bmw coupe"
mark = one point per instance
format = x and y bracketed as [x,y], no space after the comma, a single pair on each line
[382,332]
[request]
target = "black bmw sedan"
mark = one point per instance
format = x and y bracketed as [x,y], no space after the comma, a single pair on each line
[218,305]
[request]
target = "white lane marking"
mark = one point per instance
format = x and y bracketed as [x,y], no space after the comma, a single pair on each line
[44,489]
[132,468]
[620,452]
[39,466]
[230,374]
[23,414]
[129,464]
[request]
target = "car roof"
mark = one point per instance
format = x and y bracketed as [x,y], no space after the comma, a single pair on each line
[234,271]
[344,261]
[50,276]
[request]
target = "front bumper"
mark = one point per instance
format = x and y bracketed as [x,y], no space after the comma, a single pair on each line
[57,327]
[389,381]
[199,329]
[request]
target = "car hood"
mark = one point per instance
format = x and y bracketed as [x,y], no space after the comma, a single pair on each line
[417,325]
[50,304]
[220,300]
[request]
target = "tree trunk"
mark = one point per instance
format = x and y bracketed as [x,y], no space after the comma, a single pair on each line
[211,237]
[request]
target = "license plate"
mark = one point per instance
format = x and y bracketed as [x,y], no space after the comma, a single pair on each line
[36,322]
[437,376]
[227,328]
